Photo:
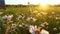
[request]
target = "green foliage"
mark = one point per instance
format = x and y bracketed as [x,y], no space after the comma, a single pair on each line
[53,22]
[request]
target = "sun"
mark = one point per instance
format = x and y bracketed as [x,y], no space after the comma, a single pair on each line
[43,2]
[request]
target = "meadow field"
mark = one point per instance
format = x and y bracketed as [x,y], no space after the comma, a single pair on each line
[51,16]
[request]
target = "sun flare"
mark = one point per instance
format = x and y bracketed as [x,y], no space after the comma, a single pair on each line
[43,2]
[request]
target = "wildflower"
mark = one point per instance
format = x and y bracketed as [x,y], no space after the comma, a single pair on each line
[4,17]
[13,27]
[34,19]
[31,29]
[1,13]
[21,16]
[59,27]
[44,32]
[53,12]
[46,23]
[20,25]
[57,17]
[50,16]
[42,25]
[31,19]
[54,29]
[58,33]
[10,17]
[28,19]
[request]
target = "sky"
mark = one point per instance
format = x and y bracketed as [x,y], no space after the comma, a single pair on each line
[15,2]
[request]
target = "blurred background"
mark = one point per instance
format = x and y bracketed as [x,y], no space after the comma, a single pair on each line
[17,15]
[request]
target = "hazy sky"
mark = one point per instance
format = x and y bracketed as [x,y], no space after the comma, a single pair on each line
[32,1]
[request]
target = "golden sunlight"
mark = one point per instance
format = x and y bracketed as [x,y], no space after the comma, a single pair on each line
[43,2]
